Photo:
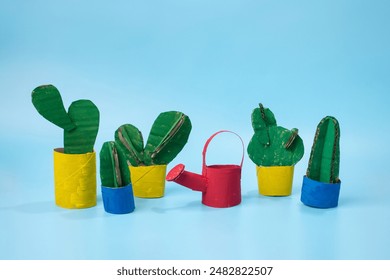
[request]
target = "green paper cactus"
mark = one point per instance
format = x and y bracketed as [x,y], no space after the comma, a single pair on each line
[80,123]
[273,145]
[324,162]
[114,170]
[168,136]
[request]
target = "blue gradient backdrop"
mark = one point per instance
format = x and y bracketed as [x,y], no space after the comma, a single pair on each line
[215,61]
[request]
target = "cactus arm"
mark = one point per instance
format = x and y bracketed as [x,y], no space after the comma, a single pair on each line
[324,159]
[174,130]
[255,152]
[48,102]
[287,146]
[108,166]
[292,135]
[262,119]
[123,166]
[260,127]
[130,141]
[266,115]
[296,149]
[169,134]
[85,115]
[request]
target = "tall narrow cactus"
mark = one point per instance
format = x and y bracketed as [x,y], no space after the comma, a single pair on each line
[80,123]
[273,145]
[114,170]
[324,162]
[168,136]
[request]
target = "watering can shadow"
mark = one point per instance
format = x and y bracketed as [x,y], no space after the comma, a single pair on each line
[220,184]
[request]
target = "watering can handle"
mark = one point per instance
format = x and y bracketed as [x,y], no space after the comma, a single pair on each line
[211,138]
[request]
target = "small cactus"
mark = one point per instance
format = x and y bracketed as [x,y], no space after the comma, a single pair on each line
[80,123]
[273,145]
[168,136]
[324,162]
[114,170]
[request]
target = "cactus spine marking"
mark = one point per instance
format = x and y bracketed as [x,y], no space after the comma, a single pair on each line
[80,123]
[114,171]
[324,162]
[273,145]
[130,141]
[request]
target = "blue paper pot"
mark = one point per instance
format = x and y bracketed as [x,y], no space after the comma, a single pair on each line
[319,194]
[118,200]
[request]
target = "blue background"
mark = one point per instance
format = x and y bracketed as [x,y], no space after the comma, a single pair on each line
[215,61]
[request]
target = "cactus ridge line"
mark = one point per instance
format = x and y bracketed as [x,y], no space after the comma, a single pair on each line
[169,136]
[117,168]
[128,146]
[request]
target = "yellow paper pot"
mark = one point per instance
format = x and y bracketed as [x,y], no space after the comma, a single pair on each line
[148,181]
[275,180]
[74,179]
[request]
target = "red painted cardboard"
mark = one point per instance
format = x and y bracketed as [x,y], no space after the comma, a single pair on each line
[220,184]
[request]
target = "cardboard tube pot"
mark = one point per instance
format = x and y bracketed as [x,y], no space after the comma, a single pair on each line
[74,179]
[118,200]
[148,181]
[320,195]
[275,180]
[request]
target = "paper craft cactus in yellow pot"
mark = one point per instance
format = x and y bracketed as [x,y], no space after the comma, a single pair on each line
[75,163]
[168,136]
[275,150]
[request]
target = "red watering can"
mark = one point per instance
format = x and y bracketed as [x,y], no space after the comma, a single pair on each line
[220,184]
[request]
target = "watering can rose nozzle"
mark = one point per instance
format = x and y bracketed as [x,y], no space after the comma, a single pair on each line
[175,172]
[187,179]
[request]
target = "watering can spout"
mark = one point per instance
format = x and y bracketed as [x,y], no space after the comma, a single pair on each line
[187,179]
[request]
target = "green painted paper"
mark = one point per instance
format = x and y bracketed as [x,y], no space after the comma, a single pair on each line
[273,145]
[114,170]
[130,141]
[85,115]
[275,154]
[48,102]
[107,165]
[324,162]
[80,123]
[168,136]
